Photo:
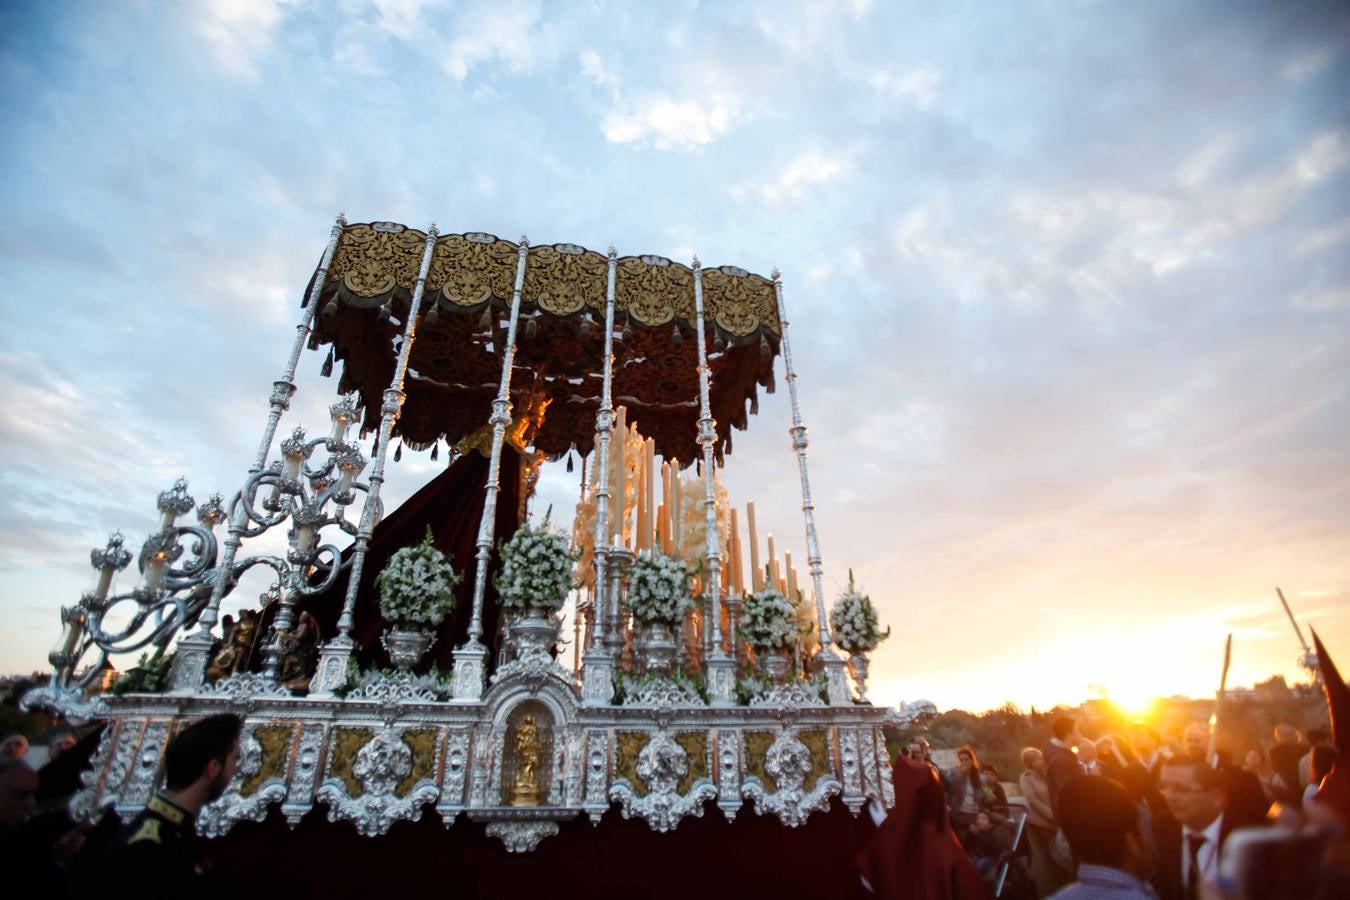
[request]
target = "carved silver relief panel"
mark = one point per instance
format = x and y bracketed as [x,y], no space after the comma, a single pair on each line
[788,762]
[662,764]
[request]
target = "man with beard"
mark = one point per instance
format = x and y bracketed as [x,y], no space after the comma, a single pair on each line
[155,855]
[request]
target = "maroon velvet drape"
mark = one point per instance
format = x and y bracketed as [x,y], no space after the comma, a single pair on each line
[705,858]
[452,505]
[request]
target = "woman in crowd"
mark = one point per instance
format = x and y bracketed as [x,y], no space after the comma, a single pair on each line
[965,790]
[1041,825]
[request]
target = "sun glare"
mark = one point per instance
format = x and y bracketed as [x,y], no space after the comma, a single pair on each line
[1136,702]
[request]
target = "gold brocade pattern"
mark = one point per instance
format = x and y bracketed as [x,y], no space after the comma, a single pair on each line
[653,294]
[628,744]
[371,262]
[695,746]
[740,305]
[757,745]
[422,743]
[275,741]
[470,272]
[562,284]
[347,742]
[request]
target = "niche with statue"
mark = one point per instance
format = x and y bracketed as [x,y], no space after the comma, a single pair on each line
[527,755]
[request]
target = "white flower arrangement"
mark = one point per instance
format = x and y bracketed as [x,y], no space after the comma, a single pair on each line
[658,589]
[417,586]
[536,568]
[853,621]
[768,620]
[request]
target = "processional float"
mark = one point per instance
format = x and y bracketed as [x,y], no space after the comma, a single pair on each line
[503,351]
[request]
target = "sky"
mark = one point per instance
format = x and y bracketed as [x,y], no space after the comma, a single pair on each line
[1069,285]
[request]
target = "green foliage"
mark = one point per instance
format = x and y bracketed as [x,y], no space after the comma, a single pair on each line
[150,675]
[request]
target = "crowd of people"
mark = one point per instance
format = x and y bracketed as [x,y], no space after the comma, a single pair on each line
[1127,817]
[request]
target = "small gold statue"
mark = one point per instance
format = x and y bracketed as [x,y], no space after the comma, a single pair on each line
[525,791]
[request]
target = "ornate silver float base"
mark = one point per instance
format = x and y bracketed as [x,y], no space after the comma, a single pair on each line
[385,754]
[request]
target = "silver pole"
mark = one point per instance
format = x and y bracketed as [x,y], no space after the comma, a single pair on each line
[707,436]
[389,411]
[834,665]
[604,428]
[597,683]
[721,666]
[500,418]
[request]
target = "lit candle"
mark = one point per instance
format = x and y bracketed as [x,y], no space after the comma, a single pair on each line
[734,549]
[649,473]
[154,572]
[667,509]
[756,573]
[677,514]
[791,576]
[774,580]
[340,423]
[618,509]
[639,540]
[349,466]
[105,577]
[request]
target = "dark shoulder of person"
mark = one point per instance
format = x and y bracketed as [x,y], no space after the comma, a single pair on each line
[155,851]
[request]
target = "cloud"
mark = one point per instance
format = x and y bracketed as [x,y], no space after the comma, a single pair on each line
[240,32]
[919,85]
[809,169]
[670,123]
[513,35]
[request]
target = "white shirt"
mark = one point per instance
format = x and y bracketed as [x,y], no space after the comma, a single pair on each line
[1208,855]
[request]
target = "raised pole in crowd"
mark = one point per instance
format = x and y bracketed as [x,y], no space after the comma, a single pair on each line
[721,665]
[598,678]
[332,670]
[470,658]
[189,670]
[834,666]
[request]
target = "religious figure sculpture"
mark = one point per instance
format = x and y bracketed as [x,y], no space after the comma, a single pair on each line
[237,647]
[525,791]
[297,653]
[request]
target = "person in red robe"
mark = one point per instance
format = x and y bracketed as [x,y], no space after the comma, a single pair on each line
[914,854]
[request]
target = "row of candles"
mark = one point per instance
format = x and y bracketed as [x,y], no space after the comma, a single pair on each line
[651,521]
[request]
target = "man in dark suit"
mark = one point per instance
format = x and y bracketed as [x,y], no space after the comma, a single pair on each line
[1061,763]
[1192,837]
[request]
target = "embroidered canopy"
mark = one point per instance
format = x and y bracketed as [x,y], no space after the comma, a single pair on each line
[455,363]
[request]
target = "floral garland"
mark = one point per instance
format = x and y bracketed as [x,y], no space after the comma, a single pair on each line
[768,620]
[417,586]
[853,621]
[536,568]
[658,589]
